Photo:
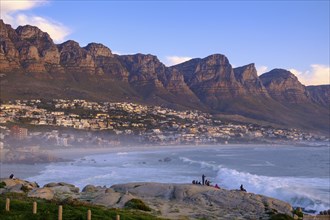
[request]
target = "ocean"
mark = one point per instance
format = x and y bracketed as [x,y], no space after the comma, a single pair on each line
[298,175]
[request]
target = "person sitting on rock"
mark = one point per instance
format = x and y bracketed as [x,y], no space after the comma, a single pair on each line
[242,188]
[216,186]
[11,176]
[193,182]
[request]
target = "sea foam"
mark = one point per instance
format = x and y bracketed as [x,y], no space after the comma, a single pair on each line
[229,168]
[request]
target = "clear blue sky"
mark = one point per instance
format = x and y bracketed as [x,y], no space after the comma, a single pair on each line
[284,34]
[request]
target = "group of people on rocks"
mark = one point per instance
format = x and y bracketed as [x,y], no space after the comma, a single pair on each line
[204,182]
[208,183]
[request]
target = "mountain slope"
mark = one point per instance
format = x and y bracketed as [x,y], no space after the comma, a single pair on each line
[32,66]
[320,94]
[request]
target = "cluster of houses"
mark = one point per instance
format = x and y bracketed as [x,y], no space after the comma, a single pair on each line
[105,122]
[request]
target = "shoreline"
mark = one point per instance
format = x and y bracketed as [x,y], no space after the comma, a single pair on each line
[79,152]
[75,153]
[106,153]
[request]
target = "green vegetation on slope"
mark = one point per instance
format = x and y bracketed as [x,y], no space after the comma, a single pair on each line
[21,209]
[137,204]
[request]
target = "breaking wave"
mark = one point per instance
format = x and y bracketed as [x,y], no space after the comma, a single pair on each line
[313,194]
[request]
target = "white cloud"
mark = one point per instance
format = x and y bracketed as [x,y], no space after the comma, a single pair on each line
[261,69]
[317,75]
[173,60]
[11,13]
[8,6]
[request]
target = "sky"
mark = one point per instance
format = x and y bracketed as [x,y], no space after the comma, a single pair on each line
[292,35]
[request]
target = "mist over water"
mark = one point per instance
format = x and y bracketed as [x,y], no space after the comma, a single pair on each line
[298,175]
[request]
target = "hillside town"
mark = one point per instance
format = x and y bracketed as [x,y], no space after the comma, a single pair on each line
[69,123]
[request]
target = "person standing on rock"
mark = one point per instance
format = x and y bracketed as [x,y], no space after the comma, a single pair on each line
[203,179]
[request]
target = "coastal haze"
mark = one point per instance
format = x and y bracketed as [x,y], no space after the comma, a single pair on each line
[86,115]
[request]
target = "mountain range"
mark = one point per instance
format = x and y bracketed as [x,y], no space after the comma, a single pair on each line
[33,66]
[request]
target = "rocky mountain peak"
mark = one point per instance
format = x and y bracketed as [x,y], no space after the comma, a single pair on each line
[69,44]
[144,69]
[278,75]
[247,72]
[284,86]
[72,55]
[211,79]
[143,58]
[36,48]
[9,56]
[3,29]
[143,63]
[248,78]
[215,67]
[98,50]
[216,59]
[32,34]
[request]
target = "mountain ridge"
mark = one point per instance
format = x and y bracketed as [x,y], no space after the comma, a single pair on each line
[32,66]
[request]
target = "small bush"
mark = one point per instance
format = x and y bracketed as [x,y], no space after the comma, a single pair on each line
[137,204]
[25,189]
[2,184]
[299,213]
[281,217]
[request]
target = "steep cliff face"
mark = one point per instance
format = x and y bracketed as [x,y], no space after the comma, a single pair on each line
[174,82]
[320,94]
[32,51]
[9,55]
[38,53]
[143,70]
[27,49]
[212,79]
[98,50]
[76,59]
[284,87]
[247,76]
[151,78]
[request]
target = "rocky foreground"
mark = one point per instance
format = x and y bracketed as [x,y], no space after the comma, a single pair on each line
[173,201]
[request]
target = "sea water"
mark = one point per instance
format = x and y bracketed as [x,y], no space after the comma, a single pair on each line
[298,175]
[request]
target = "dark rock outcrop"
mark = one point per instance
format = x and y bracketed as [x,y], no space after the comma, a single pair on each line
[9,55]
[284,87]
[76,59]
[248,77]
[154,80]
[212,79]
[144,70]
